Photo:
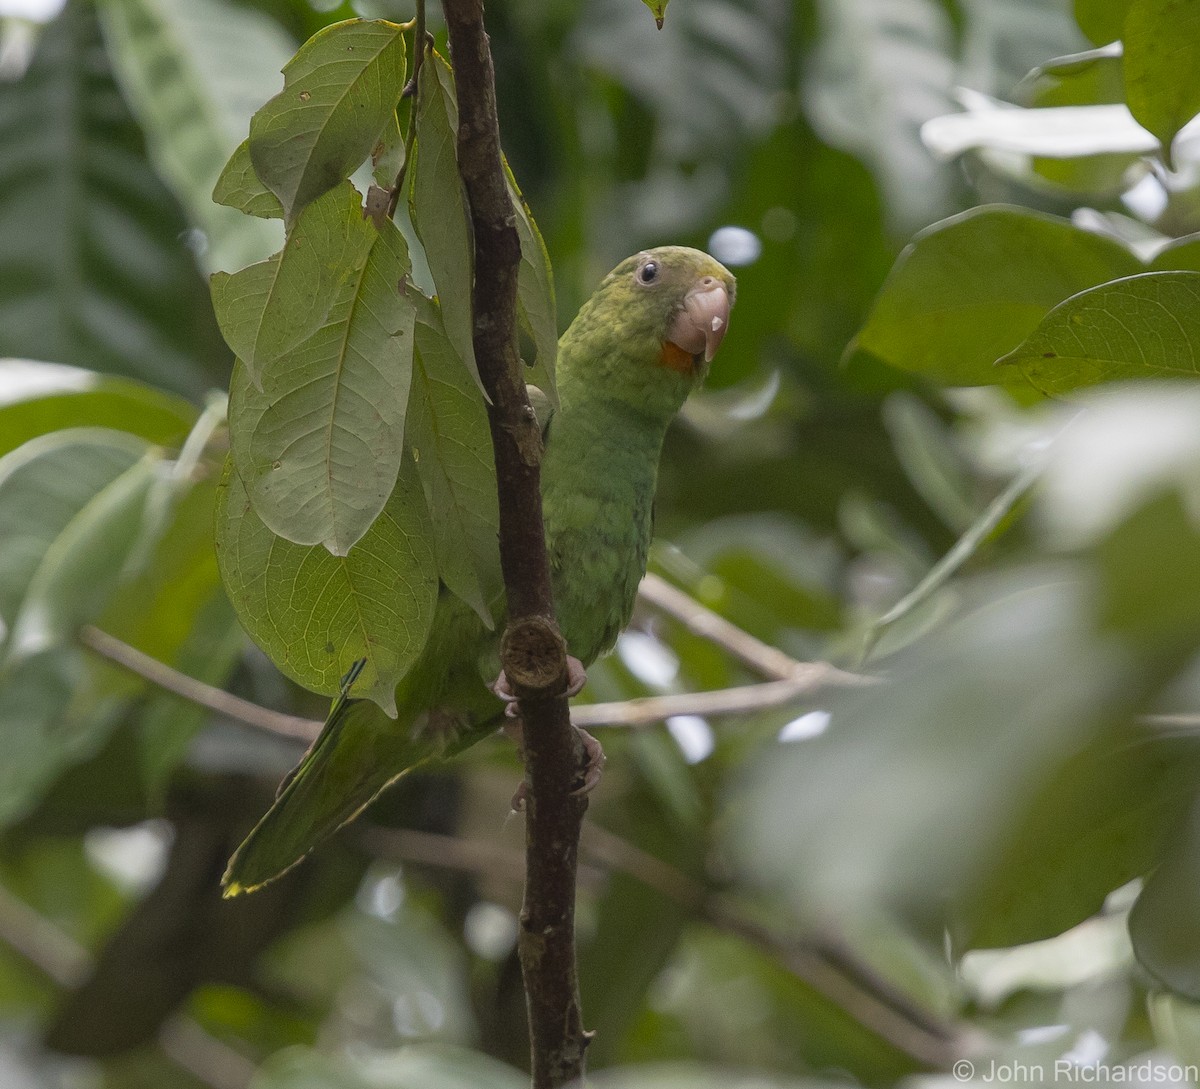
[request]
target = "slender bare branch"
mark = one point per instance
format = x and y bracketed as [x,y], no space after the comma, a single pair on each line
[197,692]
[742,700]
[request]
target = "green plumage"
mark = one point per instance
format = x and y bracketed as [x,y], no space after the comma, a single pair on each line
[621,380]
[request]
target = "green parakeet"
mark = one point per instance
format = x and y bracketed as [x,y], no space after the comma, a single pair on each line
[627,363]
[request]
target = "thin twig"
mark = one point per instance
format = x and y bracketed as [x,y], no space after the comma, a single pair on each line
[532,650]
[699,620]
[197,692]
[62,959]
[742,700]
[421,42]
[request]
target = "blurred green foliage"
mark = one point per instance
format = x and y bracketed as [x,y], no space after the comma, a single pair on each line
[988,854]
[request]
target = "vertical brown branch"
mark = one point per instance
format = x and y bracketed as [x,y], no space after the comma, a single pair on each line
[532,652]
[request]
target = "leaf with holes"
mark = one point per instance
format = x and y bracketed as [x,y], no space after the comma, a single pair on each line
[319,447]
[339,92]
[314,613]
[1144,326]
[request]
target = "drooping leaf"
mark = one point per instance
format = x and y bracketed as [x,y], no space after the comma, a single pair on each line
[439,210]
[536,308]
[94,265]
[1162,65]
[1005,39]
[44,487]
[319,447]
[968,288]
[269,308]
[195,71]
[36,398]
[315,613]
[1145,326]
[450,440]
[339,92]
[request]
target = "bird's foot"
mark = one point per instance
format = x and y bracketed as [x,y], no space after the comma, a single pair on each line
[593,754]
[576,679]
[589,775]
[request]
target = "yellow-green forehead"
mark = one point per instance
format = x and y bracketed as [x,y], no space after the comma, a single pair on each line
[680,260]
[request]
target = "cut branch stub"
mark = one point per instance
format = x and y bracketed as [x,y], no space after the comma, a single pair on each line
[534,655]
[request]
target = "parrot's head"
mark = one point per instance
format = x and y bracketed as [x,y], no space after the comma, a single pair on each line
[652,327]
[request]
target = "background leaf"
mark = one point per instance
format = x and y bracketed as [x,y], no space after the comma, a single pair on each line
[967,289]
[1162,66]
[94,269]
[195,71]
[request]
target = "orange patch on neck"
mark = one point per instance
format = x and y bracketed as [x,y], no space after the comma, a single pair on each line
[676,359]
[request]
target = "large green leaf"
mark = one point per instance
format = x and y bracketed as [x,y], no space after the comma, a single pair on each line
[969,288]
[339,92]
[314,613]
[1144,326]
[1102,20]
[94,269]
[36,398]
[269,308]
[195,71]
[44,487]
[439,209]
[449,435]
[319,447]
[1162,65]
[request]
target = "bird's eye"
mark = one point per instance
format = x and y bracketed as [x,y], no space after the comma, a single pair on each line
[648,273]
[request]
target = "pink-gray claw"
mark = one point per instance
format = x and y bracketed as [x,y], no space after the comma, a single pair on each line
[593,763]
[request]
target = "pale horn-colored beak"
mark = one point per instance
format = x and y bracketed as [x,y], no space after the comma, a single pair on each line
[700,326]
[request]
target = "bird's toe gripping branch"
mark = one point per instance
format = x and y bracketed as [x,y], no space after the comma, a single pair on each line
[593,754]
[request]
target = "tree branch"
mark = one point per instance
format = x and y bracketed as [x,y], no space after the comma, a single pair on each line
[532,651]
[197,692]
